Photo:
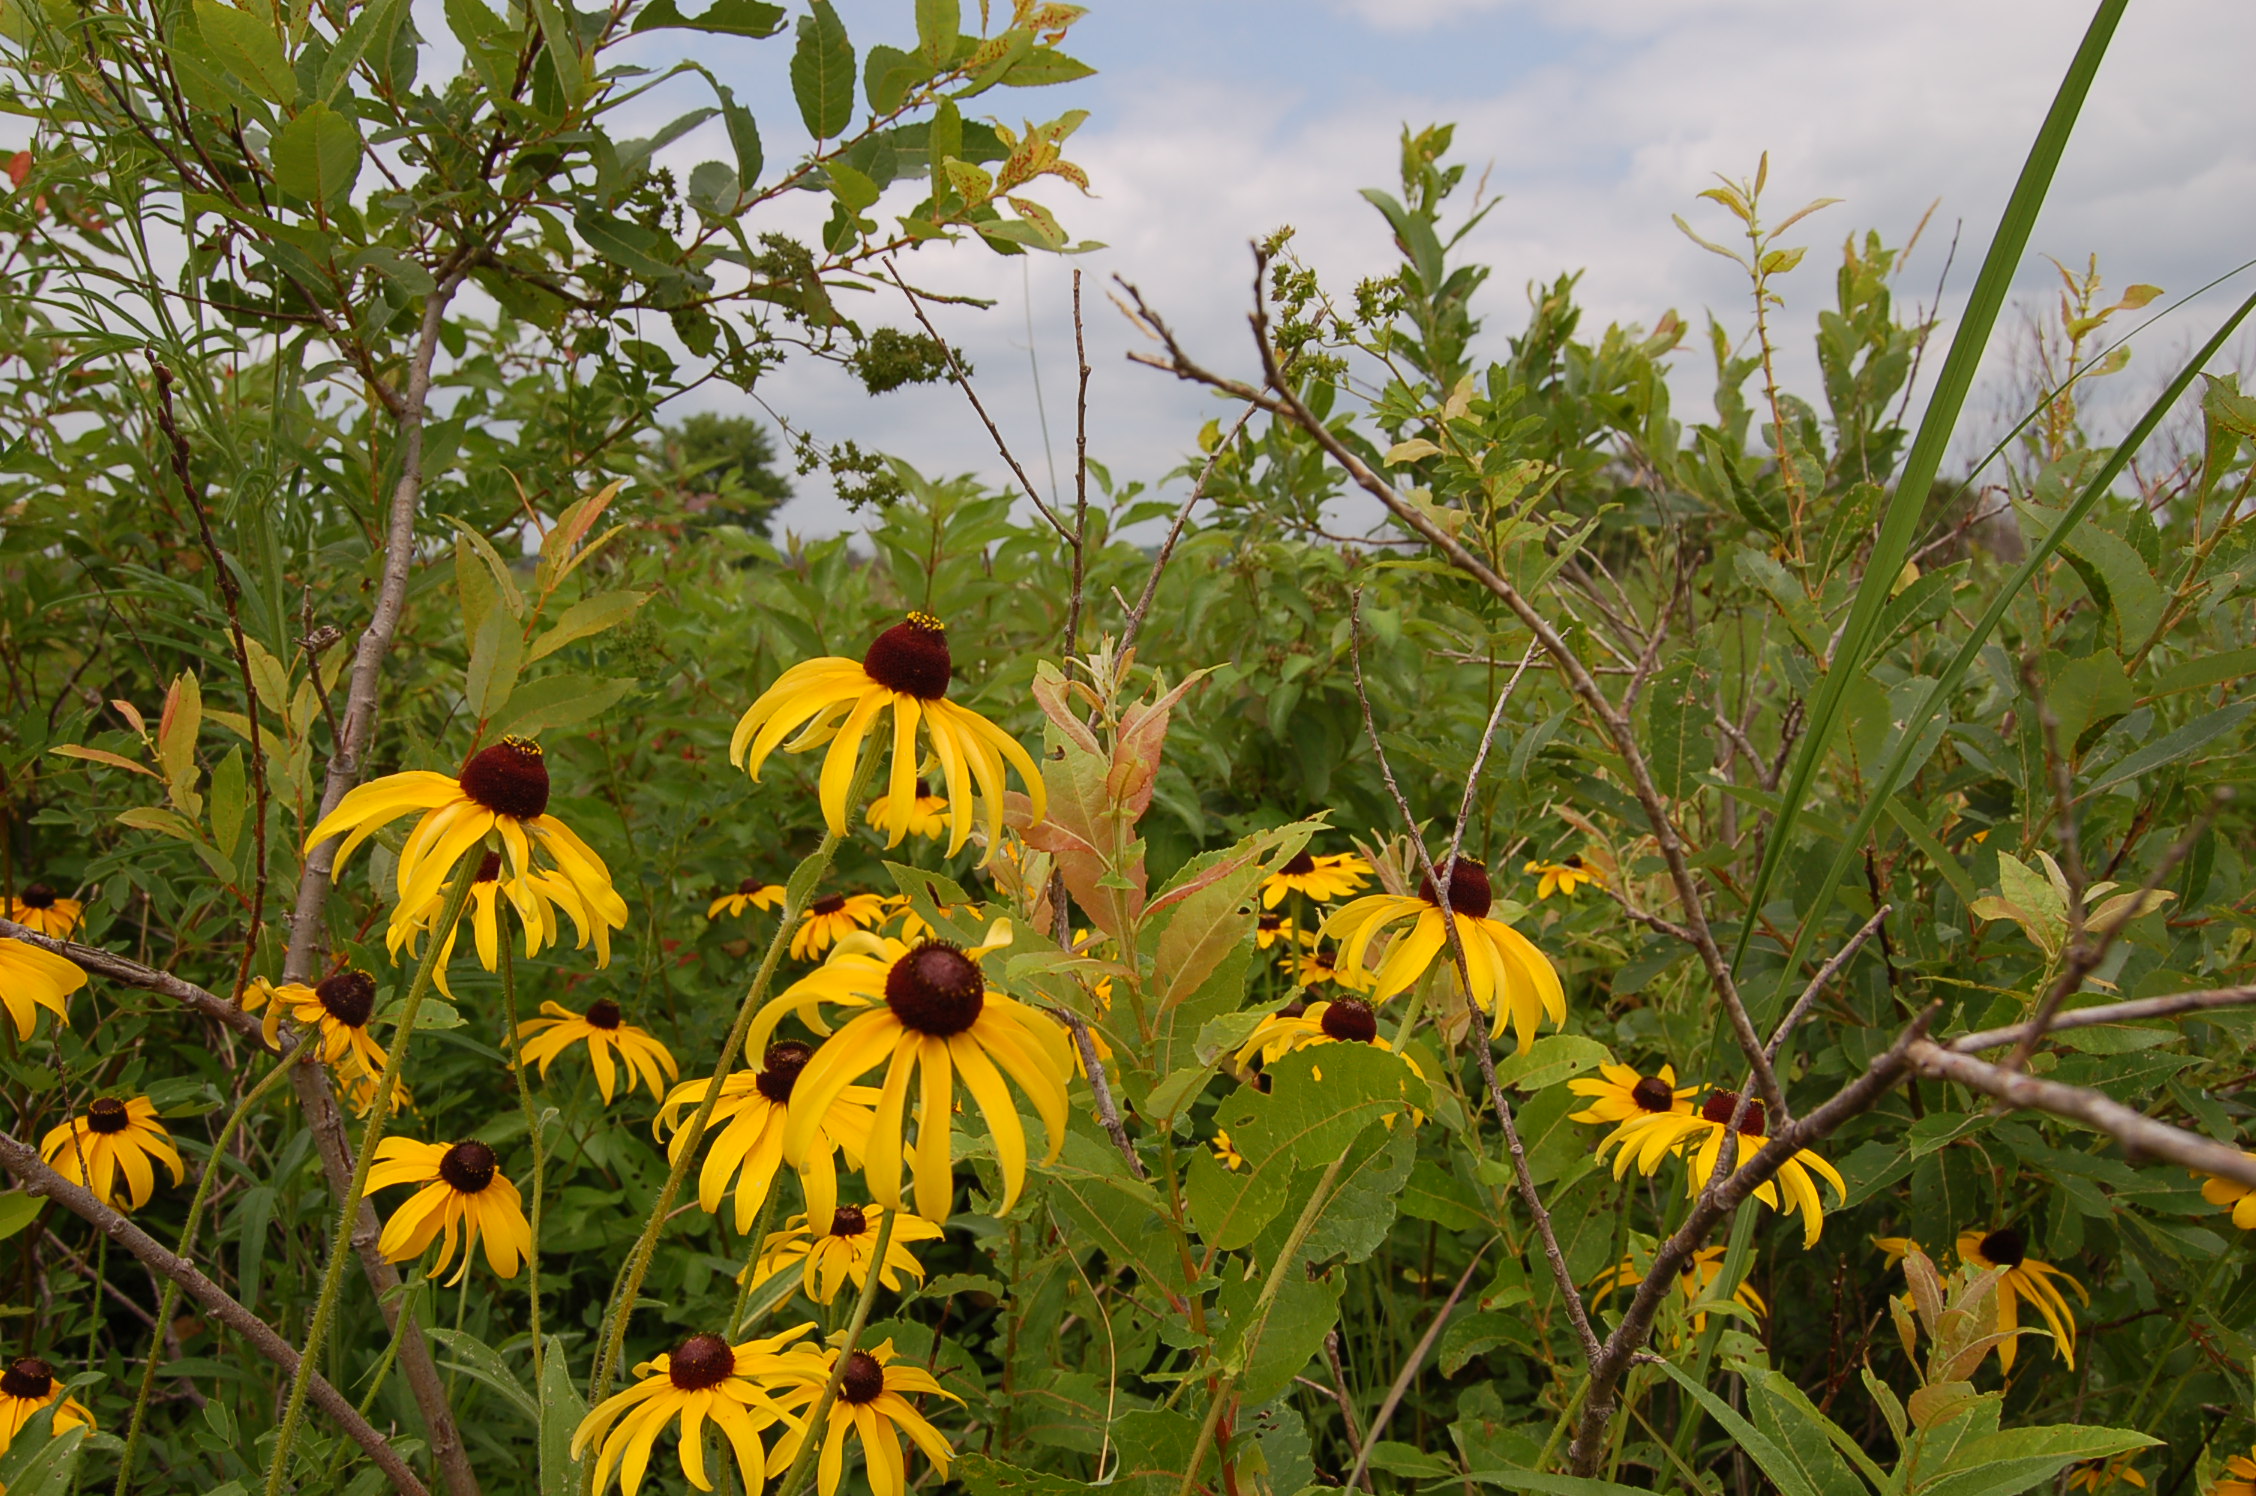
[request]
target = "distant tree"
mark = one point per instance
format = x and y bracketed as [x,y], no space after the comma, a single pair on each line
[724,469]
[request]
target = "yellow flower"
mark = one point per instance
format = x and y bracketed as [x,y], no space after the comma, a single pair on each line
[464,1192]
[923,814]
[114,1138]
[1321,879]
[837,701]
[536,896]
[1563,877]
[1694,1277]
[2027,1279]
[2232,1195]
[31,979]
[1313,968]
[912,926]
[929,1012]
[40,908]
[1650,1138]
[2098,1475]
[702,1378]
[1296,1026]
[746,1134]
[605,1030]
[871,1405]
[2240,1476]
[844,1250]
[502,790]
[1269,927]
[831,917]
[1225,1152]
[1621,1094]
[751,893]
[28,1385]
[1510,977]
[340,1005]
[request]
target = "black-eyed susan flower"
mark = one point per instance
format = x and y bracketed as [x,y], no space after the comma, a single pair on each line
[28,1385]
[1318,879]
[908,925]
[1226,1152]
[1563,877]
[1345,1020]
[925,814]
[537,897]
[2024,1280]
[928,1012]
[1648,1139]
[1510,977]
[39,907]
[31,979]
[1694,1277]
[2232,1195]
[110,1149]
[464,1195]
[1619,1093]
[2098,1475]
[339,1005]
[844,1249]
[1269,927]
[749,894]
[744,1136]
[702,1379]
[1317,967]
[837,701]
[502,791]
[832,917]
[605,1031]
[2239,1478]
[873,1405]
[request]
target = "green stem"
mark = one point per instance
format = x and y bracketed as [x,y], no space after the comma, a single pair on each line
[532,1132]
[1259,1319]
[408,1294]
[803,1462]
[186,1246]
[760,1225]
[372,1134]
[795,899]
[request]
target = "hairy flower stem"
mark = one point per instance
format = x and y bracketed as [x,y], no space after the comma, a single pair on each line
[372,1134]
[795,899]
[532,1132]
[802,1464]
[187,1246]
[760,1225]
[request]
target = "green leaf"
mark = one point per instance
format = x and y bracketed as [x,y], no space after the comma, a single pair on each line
[822,72]
[2173,746]
[1813,1441]
[1784,1469]
[478,1360]
[1272,1349]
[753,18]
[1042,66]
[556,701]
[1230,1208]
[317,155]
[1546,1484]
[227,796]
[2003,1464]
[561,1411]
[938,23]
[744,139]
[982,1476]
[41,1462]
[643,251]
[2205,670]
[497,654]
[1676,739]
[1550,1060]
[585,619]
[247,47]
[376,20]
[1302,1117]
[17,1210]
[851,187]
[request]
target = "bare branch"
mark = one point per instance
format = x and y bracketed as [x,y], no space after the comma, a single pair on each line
[1166,550]
[2168,1006]
[1825,974]
[23,1161]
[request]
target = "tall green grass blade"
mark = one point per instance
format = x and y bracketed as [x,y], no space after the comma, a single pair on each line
[1921,464]
[1883,784]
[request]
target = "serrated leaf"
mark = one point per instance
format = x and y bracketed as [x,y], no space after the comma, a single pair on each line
[317,155]
[822,72]
[247,46]
[753,18]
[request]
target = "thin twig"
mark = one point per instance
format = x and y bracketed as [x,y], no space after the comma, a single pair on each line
[1417,1358]
[1166,551]
[1108,1110]
[2167,1006]
[1825,974]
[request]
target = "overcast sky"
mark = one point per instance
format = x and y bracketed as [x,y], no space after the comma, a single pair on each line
[1213,122]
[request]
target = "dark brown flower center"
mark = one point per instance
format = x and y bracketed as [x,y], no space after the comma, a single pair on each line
[1719,1107]
[1652,1094]
[1293,1009]
[864,1379]
[848,1220]
[603,1014]
[779,1069]
[468,1167]
[1350,1021]
[489,868]
[1299,866]
[509,779]
[829,903]
[2004,1248]
[1469,893]
[107,1115]
[1269,921]
[924,788]
[27,1377]
[348,996]
[37,896]
[911,658]
[700,1362]
[1322,961]
[1574,861]
[750,885]
[936,989]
